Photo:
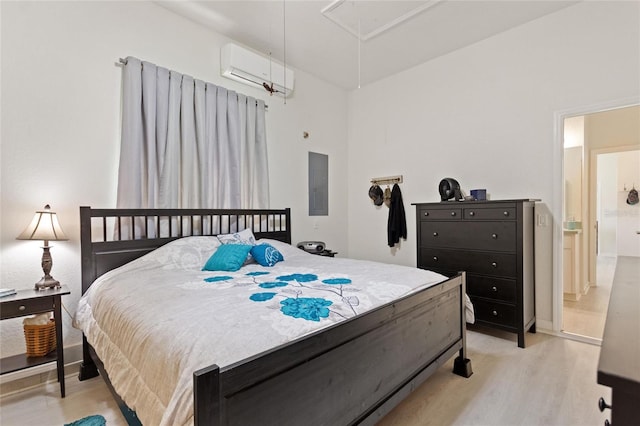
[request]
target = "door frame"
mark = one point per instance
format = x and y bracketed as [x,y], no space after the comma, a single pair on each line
[558,197]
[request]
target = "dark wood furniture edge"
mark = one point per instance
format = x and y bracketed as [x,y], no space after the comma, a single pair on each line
[619,362]
[462,203]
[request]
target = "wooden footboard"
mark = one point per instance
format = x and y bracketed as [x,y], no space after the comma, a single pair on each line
[353,373]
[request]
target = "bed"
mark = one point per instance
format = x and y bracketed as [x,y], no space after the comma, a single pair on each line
[351,370]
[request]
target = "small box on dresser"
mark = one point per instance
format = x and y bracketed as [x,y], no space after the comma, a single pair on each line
[493,242]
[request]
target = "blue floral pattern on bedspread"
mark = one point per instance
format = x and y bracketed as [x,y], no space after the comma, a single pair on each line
[217,279]
[309,308]
[291,290]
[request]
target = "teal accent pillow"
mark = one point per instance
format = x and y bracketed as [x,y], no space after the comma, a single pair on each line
[228,257]
[266,254]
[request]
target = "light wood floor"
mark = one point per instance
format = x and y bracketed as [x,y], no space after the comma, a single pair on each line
[586,317]
[551,382]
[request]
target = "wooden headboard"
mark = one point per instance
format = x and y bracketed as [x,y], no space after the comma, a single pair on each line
[109,238]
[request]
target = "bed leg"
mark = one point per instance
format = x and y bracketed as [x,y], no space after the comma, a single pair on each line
[206,397]
[462,366]
[88,368]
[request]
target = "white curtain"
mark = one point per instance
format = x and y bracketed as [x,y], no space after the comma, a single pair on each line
[189,144]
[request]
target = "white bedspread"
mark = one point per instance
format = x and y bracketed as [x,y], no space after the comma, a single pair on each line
[159,318]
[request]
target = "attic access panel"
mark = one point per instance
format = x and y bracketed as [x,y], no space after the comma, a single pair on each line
[367,19]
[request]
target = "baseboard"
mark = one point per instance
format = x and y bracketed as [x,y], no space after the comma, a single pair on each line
[543,325]
[18,381]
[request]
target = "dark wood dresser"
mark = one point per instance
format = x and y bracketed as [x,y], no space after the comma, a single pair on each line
[493,242]
[619,364]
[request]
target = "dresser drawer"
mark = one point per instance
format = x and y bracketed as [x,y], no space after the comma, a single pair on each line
[491,288]
[492,213]
[490,236]
[495,264]
[24,307]
[429,213]
[494,312]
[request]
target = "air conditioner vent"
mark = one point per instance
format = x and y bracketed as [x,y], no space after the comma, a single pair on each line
[245,66]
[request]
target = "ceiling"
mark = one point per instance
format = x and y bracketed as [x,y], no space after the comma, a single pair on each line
[359,42]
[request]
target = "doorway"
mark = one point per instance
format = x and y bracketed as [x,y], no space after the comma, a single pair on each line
[601,153]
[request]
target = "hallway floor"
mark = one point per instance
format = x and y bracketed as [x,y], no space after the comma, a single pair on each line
[586,317]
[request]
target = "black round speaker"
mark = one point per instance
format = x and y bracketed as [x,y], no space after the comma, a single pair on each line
[448,188]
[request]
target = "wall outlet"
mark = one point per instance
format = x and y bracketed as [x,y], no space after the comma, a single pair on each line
[542,219]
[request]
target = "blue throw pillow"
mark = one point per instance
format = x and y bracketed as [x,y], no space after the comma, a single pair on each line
[266,254]
[228,257]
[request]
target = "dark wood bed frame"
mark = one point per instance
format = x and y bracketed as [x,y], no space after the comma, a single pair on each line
[353,372]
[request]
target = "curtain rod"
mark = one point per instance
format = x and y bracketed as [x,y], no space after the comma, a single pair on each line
[124,62]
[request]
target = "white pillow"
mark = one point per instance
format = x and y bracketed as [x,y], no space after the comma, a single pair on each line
[244,237]
[185,253]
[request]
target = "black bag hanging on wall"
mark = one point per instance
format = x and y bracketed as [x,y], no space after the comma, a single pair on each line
[397,223]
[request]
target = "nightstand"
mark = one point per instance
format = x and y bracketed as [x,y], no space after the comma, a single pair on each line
[29,302]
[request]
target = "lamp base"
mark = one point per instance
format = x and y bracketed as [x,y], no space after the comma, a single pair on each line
[47,282]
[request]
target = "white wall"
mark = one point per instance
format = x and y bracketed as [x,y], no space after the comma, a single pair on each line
[608,200]
[60,128]
[485,115]
[573,183]
[618,221]
[628,214]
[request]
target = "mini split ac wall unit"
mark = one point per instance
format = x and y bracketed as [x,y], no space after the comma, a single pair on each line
[245,66]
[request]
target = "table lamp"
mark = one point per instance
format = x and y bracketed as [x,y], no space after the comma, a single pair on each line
[45,226]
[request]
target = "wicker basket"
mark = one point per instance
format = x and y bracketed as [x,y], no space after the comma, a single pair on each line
[40,339]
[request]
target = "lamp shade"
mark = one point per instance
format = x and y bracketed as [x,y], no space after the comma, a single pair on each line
[44,226]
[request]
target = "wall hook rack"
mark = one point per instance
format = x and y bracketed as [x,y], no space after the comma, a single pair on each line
[388,180]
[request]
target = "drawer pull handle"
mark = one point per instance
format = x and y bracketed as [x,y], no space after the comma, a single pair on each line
[494,289]
[494,236]
[505,213]
[494,264]
[426,213]
[453,213]
[472,213]
[494,313]
[22,308]
[435,258]
[602,404]
[435,234]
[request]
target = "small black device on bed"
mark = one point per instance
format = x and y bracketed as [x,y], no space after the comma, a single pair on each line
[449,188]
[311,246]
